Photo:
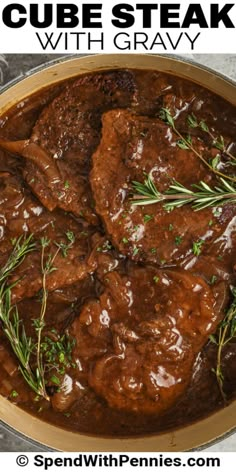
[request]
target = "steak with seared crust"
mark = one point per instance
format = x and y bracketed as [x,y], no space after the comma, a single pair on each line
[132,147]
[64,137]
[138,342]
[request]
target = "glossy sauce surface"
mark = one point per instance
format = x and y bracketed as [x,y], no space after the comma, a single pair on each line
[137,302]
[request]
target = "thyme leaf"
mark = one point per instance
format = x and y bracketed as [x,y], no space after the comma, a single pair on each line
[197,247]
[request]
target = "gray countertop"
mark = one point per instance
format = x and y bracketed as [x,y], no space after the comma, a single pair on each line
[13,65]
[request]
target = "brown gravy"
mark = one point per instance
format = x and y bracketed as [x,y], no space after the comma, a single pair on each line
[137,304]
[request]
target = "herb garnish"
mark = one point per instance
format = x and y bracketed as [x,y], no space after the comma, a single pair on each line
[186,142]
[21,248]
[64,247]
[226,332]
[156,279]
[177,195]
[46,269]
[21,345]
[14,394]
[147,218]
[178,240]
[213,279]
[218,142]
[66,185]
[57,350]
[107,246]
[34,357]
[197,247]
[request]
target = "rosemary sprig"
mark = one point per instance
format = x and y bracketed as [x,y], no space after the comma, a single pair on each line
[22,246]
[177,195]
[186,143]
[226,332]
[21,345]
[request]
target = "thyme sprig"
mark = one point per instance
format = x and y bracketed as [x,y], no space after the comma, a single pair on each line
[186,143]
[47,267]
[21,344]
[226,333]
[57,349]
[217,141]
[64,247]
[177,195]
